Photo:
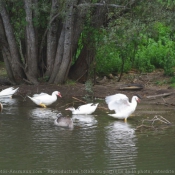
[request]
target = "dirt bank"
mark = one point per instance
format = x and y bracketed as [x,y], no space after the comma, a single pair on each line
[155,88]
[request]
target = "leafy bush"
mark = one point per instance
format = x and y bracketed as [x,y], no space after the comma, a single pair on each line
[109,61]
[145,51]
[157,52]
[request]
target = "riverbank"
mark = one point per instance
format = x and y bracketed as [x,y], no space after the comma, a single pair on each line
[152,87]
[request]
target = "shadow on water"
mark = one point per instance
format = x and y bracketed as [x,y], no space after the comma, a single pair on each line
[30,140]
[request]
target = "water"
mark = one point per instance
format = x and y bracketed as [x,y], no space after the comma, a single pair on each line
[98,144]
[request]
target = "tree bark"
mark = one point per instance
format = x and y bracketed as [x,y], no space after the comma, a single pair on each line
[79,71]
[67,19]
[63,55]
[13,55]
[52,39]
[31,68]
[67,56]
[58,57]
[6,53]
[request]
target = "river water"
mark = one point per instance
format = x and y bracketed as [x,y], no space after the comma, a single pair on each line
[30,143]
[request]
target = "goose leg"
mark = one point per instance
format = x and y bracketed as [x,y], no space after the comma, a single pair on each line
[42,105]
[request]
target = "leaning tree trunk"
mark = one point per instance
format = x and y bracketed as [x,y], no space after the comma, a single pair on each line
[79,71]
[31,68]
[14,62]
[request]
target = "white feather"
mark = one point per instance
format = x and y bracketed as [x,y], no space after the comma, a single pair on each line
[84,109]
[121,105]
[44,98]
[8,92]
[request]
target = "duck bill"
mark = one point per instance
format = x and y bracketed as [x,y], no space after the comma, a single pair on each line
[59,95]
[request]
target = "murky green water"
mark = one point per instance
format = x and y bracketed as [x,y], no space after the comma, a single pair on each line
[98,144]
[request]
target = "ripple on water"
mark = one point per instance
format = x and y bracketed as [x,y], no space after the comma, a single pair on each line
[43,113]
[84,120]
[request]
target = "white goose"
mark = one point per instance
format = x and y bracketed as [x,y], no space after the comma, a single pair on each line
[63,121]
[121,105]
[44,99]
[84,109]
[8,92]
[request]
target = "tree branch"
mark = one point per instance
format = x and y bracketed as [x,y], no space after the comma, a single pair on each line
[100,4]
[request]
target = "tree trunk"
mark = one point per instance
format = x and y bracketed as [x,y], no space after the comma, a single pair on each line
[6,53]
[58,57]
[31,68]
[79,71]
[52,39]
[67,57]
[67,19]
[13,54]
[63,56]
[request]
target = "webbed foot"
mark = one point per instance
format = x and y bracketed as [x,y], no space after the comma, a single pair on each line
[43,105]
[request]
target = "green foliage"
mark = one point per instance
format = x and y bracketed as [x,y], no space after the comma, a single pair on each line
[157,52]
[144,39]
[109,61]
[145,51]
[172,82]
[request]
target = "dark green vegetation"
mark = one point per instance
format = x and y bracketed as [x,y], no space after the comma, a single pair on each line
[142,39]
[52,40]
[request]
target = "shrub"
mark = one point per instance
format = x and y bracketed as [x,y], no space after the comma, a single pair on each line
[109,61]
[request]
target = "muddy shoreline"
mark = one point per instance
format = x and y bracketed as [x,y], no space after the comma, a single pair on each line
[159,93]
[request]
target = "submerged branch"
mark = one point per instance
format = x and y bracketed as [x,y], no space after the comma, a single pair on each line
[157,118]
[152,121]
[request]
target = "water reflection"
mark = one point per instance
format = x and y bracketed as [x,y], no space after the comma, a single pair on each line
[84,120]
[8,101]
[29,138]
[9,105]
[43,113]
[120,141]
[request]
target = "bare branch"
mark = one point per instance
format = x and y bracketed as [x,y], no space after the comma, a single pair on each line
[100,4]
[152,124]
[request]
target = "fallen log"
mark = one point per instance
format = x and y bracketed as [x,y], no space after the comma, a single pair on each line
[159,95]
